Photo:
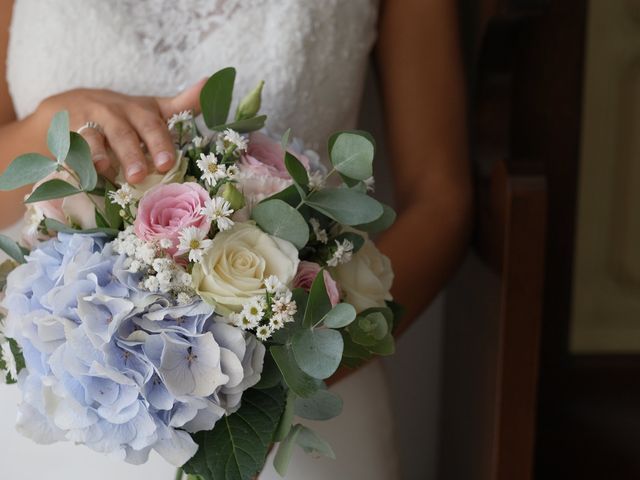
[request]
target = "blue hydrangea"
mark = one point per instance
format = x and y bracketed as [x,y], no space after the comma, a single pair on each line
[114,367]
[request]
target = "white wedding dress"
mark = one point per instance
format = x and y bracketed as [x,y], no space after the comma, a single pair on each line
[313,56]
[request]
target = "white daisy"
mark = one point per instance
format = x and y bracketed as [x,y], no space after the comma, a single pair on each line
[263,332]
[276,322]
[253,310]
[284,307]
[219,210]
[212,171]
[9,360]
[272,284]
[123,196]
[239,320]
[232,171]
[181,117]
[231,137]
[194,242]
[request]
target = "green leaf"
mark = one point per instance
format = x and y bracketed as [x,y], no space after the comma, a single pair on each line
[285,451]
[57,226]
[324,405]
[79,159]
[287,417]
[52,189]
[369,330]
[382,223]
[11,248]
[352,155]
[385,347]
[270,376]
[289,195]
[298,381]
[345,206]
[339,316]
[318,352]
[215,97]
[101,222]
[58,138]
[237,447]
[311,442]
[296,170]
[111,209]
[284,141]
[25,170]
[244,126]
[282,220]
[318,304]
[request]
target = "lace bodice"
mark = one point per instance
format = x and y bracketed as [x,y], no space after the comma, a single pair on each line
[311,53]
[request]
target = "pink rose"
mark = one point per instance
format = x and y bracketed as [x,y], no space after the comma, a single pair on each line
[167,209]
[265,157]
[307,273]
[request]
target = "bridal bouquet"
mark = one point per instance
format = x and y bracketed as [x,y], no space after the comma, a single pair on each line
[195,314]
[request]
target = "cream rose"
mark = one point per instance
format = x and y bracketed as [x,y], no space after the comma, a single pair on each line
[234,268]
[366,279]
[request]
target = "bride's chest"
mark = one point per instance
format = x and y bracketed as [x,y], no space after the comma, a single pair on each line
[304,49]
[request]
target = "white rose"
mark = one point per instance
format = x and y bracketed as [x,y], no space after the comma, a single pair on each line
[234,268]
[366,279]
[174,175]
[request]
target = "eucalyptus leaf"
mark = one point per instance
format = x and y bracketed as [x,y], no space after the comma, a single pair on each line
[324,405]
[11,248]
[25,170]
[382,223]
[385,347]
[318,303]
[352,155]
[311,442]
[58,138]
[237,447]
[345,206]
[57,226]
[285,450]
[244,126]
[215,97]
[287,417]
[289,195]
[52,189]
[339,316]
[270,376]
[318,352]
[79,159]
[296,169]
[298,381]
[282,220]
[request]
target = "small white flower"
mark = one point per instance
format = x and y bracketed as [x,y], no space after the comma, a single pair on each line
[239,320]
[276,322]
[162,264]
[184,116]
[199,141]
[272,284]
[212,171]
[164,278]
[166,243]
[253,310]
[123,196]
[370,183]
[343,253]
[9,360]
[320,233]
[146,253]
[316,180]
[135,266]
[231,137]
[183,298]
[263,332]
[232,171]
[151,283]
[194,242]
[219,210]
[284,307]
[185,279]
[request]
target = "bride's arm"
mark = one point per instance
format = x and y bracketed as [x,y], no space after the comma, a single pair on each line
[420,68]
[125,120]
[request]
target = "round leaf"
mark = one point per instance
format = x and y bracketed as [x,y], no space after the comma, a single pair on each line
[324,405]
[340,316]
[318,352]
[311,442]
[352,155]
[25,170]
[345,206]
[282,220]
[298,381]
[382,223]
[58,138]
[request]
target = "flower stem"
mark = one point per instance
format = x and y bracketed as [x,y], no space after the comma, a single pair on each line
[179,474]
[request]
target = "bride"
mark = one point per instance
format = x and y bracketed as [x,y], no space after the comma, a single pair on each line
[126,65]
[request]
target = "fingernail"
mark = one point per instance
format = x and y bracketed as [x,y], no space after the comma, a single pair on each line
[163,159]
[134,170]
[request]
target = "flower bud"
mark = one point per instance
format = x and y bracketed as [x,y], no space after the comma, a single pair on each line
[250,105]
[231,194]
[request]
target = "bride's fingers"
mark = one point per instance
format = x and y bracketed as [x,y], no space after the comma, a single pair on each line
[125,143]
[188,99]
[96,143]
[153,131]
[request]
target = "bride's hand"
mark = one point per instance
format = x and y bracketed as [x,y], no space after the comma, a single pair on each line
[126,123]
